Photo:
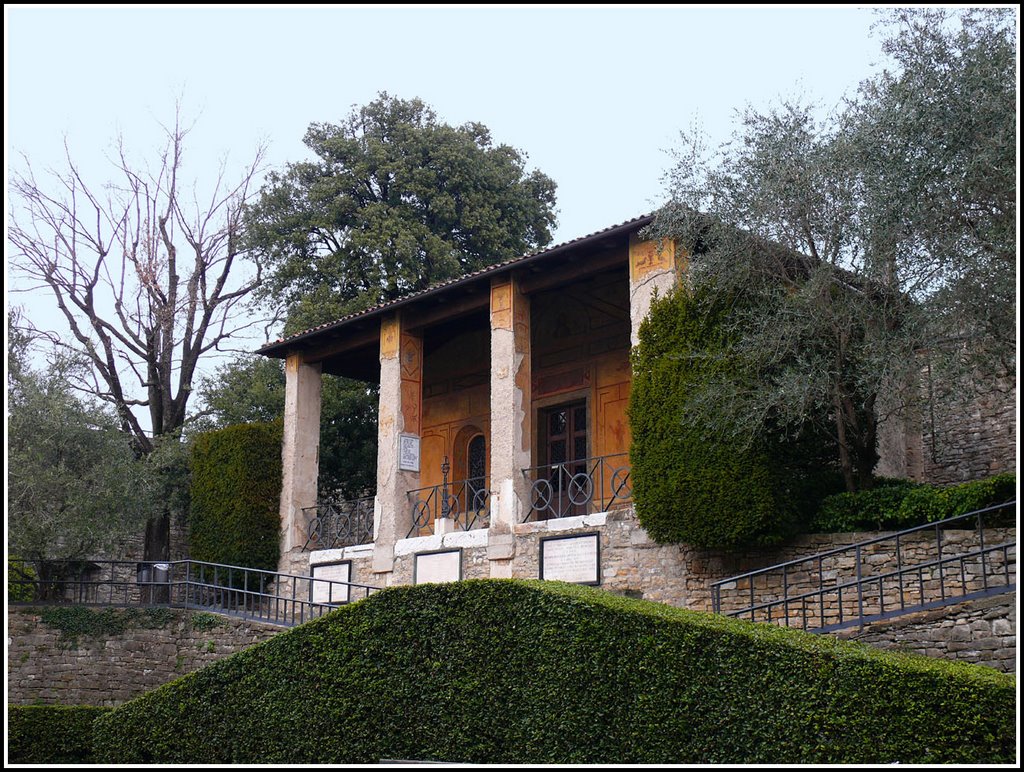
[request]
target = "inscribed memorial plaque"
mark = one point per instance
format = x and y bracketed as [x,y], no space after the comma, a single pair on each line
[326,592]
[408,452]
[443,566]
[571,558]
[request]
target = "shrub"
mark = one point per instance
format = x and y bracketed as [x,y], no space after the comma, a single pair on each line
[898,504]
[51,734]
[695,486]
[20,580]
[506,671]
[236,487]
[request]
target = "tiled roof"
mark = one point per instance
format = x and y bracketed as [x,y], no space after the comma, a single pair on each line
[635,223]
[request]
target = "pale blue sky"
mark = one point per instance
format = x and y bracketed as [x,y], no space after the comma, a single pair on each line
[594,95]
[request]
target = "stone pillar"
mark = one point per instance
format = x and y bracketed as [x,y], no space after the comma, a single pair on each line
[300,455]
[652,270]
[511,419]
[401,398]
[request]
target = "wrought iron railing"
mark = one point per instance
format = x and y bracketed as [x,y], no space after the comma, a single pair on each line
[266,596]
[969,556]
[467,502]
[578,487]
[337,523]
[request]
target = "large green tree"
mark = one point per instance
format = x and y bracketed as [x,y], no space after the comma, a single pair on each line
[853,242]
[75,488]
[394,201]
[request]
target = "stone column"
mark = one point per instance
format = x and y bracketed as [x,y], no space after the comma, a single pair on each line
[300,456]
[511,419]
[401,398]
[652,270]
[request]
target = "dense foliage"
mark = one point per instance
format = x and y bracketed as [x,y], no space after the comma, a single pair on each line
[75,622]
[51,734]
[897,504]
[236,488]
[394,201]
[534,672]
[697,484]
[866,243]
[74,485]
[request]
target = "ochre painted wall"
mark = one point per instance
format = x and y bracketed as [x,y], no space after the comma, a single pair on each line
[456,399]
[581,353]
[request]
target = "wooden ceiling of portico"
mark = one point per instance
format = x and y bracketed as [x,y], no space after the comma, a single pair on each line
[351,350]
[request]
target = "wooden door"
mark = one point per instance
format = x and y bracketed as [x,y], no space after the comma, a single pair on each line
[566,453]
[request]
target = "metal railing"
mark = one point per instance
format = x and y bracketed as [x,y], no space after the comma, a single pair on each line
[467,502]
[920,568]
[249,593]
[337,523]
[578,487]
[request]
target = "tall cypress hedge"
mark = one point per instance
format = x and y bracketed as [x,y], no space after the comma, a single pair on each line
[692,485]
[236,489]
[506,671]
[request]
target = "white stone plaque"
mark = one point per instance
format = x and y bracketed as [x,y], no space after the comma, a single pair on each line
[438,567]
[408,452]
[571,559]
[325,592]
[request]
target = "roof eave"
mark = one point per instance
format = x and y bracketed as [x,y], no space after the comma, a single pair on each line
[282,348]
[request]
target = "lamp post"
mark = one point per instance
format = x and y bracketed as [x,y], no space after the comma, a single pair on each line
[445,505]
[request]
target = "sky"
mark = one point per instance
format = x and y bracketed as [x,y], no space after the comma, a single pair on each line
[595,96]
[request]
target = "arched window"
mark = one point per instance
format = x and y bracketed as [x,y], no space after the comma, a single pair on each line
[476,458]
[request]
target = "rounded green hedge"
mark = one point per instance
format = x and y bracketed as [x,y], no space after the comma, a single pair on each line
[692,485]
[506,671]
[236,489]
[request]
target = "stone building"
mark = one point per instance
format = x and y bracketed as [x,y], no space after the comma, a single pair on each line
[503,436]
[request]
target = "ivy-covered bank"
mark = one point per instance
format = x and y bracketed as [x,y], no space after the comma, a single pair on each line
[532,672]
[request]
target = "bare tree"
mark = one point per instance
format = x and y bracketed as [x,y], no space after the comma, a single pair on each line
[147,276]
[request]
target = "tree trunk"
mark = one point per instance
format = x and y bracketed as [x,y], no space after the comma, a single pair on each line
[158,548]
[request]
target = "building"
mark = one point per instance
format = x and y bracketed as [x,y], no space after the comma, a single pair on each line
[503,435]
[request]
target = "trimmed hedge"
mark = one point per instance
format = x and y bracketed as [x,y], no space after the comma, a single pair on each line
[236,489]
[511,671]
[51,734]
[696,487]
[898,504]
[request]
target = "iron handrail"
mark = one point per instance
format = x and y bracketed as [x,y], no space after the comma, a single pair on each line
[866,542]
[594,479]
[805,568]
[467,502]
[917,568]
[339,523]
[270,596]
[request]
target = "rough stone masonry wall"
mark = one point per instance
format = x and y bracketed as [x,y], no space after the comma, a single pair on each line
[44,667]
[981,631]
[968,439]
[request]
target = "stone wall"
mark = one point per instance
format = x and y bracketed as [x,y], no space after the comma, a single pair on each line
[982,631]
[46,666]
[966,439]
